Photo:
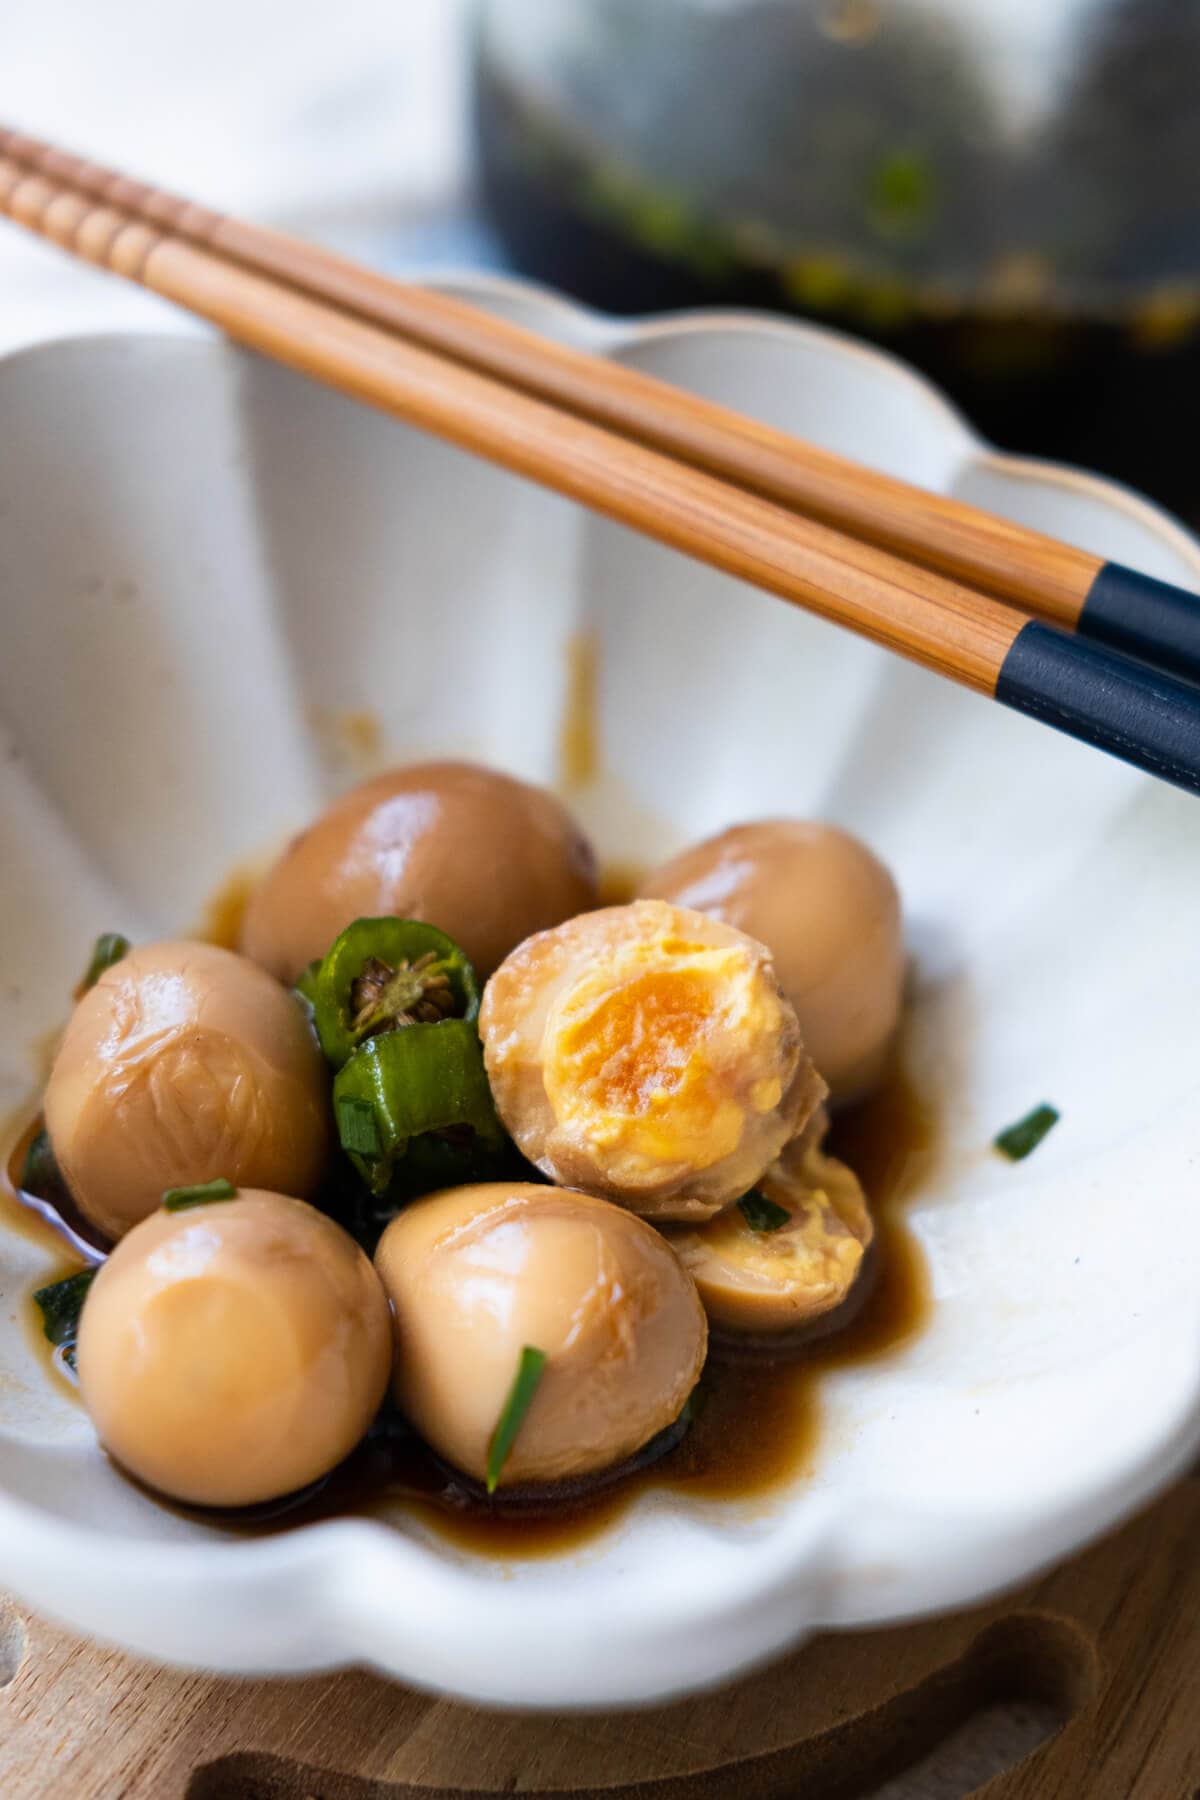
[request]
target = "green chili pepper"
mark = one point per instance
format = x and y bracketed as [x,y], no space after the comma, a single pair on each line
[431,1162]
[460,1159]
[382,975]
[403,1084]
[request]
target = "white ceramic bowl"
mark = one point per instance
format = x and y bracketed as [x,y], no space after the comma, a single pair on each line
[206,564]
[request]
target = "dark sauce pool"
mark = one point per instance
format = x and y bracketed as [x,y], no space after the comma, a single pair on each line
[758,1418]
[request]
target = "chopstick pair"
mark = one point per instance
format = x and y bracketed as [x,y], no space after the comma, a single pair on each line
[693,475]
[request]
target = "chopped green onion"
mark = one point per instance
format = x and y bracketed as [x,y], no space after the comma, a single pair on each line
[60,1305]
[40,1173]
[762,1214]
[520,1395]
[108,949]
[1022,1139]
[305,988]
[180,1198]
[358,1128]
[691,1409]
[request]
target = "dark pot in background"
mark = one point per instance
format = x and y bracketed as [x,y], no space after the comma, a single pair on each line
[1003,191]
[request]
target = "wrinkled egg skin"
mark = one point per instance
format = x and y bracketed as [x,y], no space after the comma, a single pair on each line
[234,1352]
[477,1274]
[184,1063]
[829,912]
[485,858]
[646,1053]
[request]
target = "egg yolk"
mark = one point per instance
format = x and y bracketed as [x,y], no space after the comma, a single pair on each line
[657,1054]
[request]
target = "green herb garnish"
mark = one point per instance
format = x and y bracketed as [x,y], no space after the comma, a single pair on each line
[358,1128]
[180,1198]
[691,1409]
[1022,1139]
[40,1173]
[108,949]
[305,988]
[762,1214]
[520,1395]
[60,1305]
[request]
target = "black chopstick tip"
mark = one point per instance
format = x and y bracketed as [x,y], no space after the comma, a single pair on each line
[1144,617]
[1093,693]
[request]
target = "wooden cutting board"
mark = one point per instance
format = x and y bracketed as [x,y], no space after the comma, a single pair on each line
[1111,1640]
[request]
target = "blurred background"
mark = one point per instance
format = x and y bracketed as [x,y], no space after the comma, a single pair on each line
[1006,192]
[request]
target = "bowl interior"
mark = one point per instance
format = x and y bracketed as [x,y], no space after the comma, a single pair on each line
[228,593]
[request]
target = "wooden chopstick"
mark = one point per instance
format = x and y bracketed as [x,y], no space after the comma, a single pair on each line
[1049,579]
[1147,718]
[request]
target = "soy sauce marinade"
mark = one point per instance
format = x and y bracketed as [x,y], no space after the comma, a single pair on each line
[756,1425]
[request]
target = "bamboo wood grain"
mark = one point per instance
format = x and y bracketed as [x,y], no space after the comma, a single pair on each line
[1038,573]
[936,622]
[1111,1642]
[1115,686]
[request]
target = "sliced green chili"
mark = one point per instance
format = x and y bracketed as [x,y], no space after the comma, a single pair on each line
[107,950]
[762,1214]
[428,1079]
[61,1305]
[382,975]
[429,1164]
[201,1193]
[1018,1141]
[520,1397]
[457,1159]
